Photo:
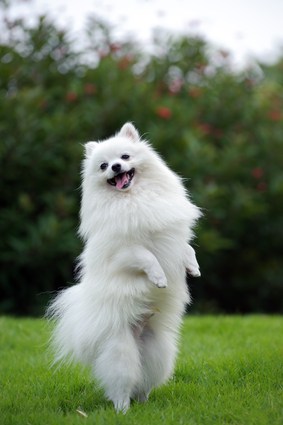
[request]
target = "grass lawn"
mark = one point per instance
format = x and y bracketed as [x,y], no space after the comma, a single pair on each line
[229,371]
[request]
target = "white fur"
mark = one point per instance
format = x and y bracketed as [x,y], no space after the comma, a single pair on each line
[124,315]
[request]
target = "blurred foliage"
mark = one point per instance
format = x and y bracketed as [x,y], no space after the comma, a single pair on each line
[219,128]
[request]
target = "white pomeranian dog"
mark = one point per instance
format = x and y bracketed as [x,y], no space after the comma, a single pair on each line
[123,317]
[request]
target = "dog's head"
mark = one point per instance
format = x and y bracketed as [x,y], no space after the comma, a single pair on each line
[115,163]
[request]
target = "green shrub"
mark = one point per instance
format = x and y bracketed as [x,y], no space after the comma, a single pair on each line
[218,128]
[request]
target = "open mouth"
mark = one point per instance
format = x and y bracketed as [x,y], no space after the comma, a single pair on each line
[122,180]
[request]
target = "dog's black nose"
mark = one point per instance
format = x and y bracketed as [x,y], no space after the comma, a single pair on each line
[116,167]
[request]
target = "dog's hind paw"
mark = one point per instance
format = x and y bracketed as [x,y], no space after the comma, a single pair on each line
[140,397]
[122,405]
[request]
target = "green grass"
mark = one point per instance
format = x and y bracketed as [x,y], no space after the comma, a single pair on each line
[229,371]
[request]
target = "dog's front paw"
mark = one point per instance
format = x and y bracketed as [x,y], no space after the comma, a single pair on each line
[157,277]
[193,270]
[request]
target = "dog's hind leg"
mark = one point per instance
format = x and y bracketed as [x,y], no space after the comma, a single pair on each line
[158,351]
[117,367]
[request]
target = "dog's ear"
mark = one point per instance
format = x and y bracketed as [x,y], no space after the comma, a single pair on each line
[129,131]
[89,147]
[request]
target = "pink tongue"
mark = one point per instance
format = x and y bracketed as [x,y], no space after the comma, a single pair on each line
[121,180]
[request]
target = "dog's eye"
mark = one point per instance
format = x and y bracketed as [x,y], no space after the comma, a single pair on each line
[103,166]
[125,156]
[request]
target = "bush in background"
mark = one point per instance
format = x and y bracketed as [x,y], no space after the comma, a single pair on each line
[219,128]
